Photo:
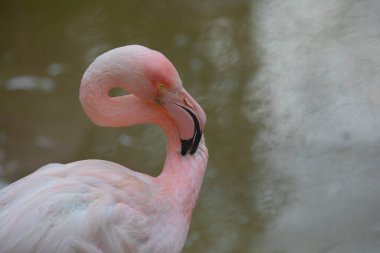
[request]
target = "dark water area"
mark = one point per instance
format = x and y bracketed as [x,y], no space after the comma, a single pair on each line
[291,91]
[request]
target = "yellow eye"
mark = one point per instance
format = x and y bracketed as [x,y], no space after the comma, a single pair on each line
[161,86]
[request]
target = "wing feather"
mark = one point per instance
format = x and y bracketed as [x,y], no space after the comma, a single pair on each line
[77,207]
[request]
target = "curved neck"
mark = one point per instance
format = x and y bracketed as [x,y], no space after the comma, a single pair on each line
[131,110]
[181,177]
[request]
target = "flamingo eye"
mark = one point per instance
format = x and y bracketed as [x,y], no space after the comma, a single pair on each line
[161,86]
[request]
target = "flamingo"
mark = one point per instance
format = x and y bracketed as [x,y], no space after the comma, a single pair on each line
[97,206]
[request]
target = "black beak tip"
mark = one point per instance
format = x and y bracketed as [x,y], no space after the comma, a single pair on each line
[191,144]
[186,146]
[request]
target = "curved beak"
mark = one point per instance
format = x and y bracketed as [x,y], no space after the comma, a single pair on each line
[189,116]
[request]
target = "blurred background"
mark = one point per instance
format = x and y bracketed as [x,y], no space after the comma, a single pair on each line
[291,90]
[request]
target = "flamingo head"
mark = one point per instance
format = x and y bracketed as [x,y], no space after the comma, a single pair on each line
[152,76]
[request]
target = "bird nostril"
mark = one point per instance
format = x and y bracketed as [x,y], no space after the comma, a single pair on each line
[187,102]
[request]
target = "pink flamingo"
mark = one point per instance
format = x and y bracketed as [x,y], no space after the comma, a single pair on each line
[96,206]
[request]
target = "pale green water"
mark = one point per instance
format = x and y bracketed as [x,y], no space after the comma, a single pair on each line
[292,140]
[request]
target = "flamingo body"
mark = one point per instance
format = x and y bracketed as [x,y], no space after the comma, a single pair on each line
[96,206]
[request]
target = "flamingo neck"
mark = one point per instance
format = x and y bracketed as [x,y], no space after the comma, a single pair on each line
[182,176]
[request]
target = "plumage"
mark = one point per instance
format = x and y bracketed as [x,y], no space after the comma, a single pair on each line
[97,206]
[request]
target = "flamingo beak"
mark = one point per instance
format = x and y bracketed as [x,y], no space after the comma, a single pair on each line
[189,117]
